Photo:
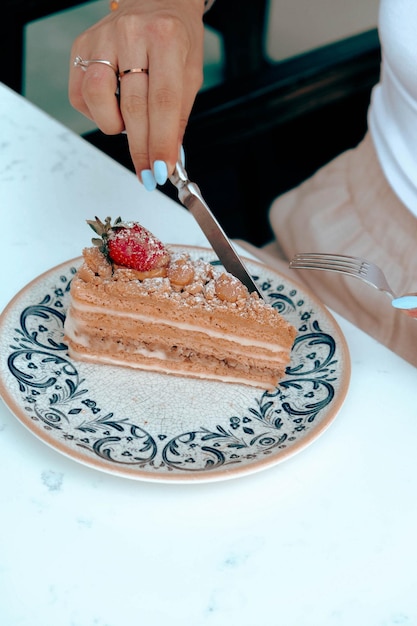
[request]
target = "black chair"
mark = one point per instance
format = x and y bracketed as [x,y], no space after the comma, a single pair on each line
[265,128]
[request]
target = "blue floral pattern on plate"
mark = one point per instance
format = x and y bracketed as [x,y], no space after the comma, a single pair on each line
[155,427]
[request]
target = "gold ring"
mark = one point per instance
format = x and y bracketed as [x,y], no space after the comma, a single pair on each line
[134,70]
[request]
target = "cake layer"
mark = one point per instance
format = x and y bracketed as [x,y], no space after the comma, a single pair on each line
[195,365]
[164,333]
[190,320]
[252,321]
[167,340]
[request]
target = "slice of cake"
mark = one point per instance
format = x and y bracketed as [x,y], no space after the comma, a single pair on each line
[135,302]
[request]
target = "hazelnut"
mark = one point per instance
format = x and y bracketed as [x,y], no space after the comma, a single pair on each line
[229,289]
[97,262]
[180,272]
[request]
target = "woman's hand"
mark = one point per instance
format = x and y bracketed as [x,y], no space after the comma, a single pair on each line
[163,36]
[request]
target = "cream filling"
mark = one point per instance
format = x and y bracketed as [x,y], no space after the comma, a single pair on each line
[75,332]
[244,341]
[71,329]
[157,367]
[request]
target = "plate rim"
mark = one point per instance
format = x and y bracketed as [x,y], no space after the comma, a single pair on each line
[202,476]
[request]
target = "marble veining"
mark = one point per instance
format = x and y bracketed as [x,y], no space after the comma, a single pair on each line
[52,480]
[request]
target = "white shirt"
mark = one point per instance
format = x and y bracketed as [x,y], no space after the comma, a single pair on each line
[392,116]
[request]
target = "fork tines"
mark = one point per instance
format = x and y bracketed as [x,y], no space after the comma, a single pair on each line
[333,262]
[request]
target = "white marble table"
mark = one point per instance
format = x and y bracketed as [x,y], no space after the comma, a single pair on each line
[326,538]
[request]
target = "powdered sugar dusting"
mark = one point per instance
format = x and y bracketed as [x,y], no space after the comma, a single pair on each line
[203,290]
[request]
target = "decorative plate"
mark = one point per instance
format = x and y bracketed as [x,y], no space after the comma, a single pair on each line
[156,427]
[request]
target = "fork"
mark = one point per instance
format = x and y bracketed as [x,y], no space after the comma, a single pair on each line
[349,265]
[356,267]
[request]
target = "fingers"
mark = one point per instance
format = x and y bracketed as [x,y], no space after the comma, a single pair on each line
[153,108]
[99,91]
[134,107]
[175,75]
[92,91]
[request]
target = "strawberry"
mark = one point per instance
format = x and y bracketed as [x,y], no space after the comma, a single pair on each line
[129,244]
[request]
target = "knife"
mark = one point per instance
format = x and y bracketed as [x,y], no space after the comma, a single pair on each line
[190,196]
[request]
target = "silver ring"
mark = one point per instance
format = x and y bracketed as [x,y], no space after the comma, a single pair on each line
[84,63]
[134,70]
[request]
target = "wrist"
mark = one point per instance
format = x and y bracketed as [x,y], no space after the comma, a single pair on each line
[114,5]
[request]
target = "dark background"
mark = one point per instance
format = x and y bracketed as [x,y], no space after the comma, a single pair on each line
[265,128]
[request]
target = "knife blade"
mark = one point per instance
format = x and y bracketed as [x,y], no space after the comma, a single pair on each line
[190,196]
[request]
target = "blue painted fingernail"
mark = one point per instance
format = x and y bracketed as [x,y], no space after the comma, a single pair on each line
[405,302]
[148,180]
[160,171]
[182,155]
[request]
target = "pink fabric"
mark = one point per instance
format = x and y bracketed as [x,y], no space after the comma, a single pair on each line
[347,207]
